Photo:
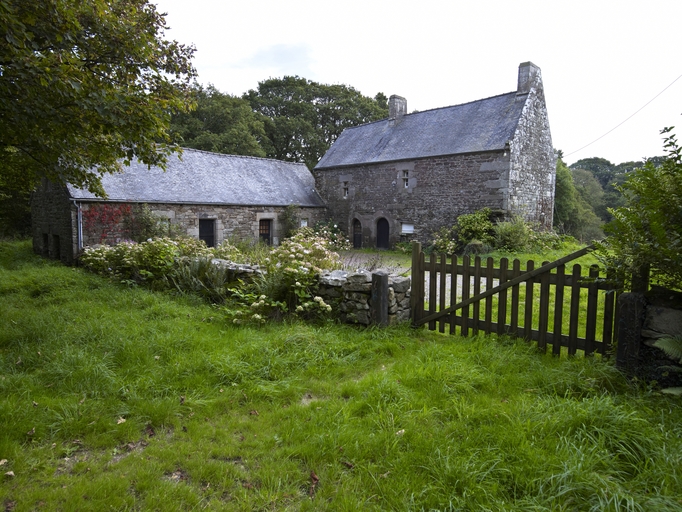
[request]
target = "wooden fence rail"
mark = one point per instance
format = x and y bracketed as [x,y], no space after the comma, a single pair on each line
[547,304]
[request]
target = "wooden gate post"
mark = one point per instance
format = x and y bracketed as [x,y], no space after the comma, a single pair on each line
[379,298]
[417,283]
[630,320]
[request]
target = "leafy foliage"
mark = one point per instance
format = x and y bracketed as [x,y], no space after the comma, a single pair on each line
[469,227]
[303,118]
[672,346]
[573,215]
[332,233]
[84,86]
[647,230]
[220,123]
[289,220]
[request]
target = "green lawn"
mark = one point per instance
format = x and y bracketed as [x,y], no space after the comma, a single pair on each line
[122,399]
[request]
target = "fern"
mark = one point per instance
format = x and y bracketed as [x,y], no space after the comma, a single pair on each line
[672,346]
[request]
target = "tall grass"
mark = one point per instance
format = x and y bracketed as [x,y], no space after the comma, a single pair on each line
[124,399]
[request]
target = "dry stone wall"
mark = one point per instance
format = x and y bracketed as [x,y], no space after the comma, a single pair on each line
[645,318]
[353,294]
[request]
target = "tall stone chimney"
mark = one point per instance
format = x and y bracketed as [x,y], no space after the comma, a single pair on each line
[397,107]
[529,76]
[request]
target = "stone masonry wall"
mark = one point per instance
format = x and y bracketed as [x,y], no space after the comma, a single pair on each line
[54,232]
[533,162]
[238,222]
[645,318]
[426,193]
[353,293]
[350,292]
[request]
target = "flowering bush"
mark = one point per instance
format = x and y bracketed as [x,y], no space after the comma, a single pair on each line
[227,251]
[149,261]
[291,270]
[247,307]
[287,284]
[336,239]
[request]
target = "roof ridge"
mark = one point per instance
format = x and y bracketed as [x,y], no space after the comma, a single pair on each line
[213,153]
[436,108]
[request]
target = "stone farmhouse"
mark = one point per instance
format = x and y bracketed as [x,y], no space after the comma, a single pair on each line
[205,195]
[404,177]
[397,179]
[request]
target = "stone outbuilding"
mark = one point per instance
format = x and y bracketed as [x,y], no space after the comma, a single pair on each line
[404,177]
[205,195]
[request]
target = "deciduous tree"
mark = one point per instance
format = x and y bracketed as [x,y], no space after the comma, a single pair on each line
[303,118]
[220,123]
[84,85]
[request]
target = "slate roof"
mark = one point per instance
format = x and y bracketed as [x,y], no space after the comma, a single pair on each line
[481,125]
[200,177]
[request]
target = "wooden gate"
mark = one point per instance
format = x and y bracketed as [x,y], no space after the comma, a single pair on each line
[545,304]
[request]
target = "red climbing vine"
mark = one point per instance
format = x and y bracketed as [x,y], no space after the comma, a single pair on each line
[103,222]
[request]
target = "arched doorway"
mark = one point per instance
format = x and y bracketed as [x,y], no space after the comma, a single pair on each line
[357,234]
[382,233]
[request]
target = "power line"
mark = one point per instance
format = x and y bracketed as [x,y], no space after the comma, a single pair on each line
[623,122]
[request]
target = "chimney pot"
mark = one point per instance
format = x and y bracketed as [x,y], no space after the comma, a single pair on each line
[529,76]
[397,107]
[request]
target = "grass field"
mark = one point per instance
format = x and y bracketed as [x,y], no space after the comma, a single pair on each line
[115,398]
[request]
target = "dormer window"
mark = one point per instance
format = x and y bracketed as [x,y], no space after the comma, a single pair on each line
[406,179]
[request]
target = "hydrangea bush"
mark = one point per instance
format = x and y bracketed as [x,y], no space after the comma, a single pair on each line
[335,237]
[286,284]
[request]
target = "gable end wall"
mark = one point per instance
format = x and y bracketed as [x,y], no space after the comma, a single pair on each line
[533,164]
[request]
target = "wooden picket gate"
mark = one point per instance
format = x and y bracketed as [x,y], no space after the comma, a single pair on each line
[543,304]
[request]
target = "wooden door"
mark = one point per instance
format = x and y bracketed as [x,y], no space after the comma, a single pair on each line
[357,234]
[382,234]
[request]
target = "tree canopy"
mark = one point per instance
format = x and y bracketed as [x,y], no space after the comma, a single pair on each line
[84,85]
[303,118]
[572,214]
[220,123]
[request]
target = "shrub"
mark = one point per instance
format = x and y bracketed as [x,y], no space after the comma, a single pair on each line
[292,267]
[150,261]
[647,230]
[512,236]
[445,241]
[199,275]
[140,224]
[472,226]
[289,220]
[476,226]
[336,239]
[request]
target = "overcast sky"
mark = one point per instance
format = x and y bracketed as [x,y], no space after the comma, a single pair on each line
[601,60]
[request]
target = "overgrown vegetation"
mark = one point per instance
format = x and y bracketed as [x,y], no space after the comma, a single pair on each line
[481,232]
[283,281]
[117,397]
[574,215]
[647,230]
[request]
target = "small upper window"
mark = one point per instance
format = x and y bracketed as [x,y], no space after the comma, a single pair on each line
[406,229]
[406,179]
[304,223]
[345,189]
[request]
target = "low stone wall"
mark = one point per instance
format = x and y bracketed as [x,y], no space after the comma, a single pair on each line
[352,293]
[357,302]
[643,319]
